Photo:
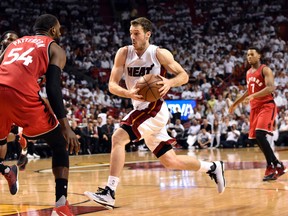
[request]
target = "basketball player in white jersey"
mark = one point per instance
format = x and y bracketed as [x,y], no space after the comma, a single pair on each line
[148,119]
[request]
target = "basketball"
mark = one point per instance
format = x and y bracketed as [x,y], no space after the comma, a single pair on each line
[149,88]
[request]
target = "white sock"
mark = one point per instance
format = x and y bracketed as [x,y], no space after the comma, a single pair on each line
[24,151]
[61,201]
[205,166]
[7,170]
[113,182]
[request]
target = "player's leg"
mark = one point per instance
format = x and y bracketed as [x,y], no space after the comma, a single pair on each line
[22,160]
[42,124]
[9,172]
[265,121]
[60,168]
[163,150]
[106,196]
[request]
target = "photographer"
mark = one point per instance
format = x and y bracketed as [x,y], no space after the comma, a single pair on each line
[232,137]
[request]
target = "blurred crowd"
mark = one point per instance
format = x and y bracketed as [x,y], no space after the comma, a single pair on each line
[209,39]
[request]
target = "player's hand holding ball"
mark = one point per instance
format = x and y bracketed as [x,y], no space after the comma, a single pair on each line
[149,87]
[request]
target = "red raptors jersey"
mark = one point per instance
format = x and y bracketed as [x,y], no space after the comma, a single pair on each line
[255,83]
[25,60]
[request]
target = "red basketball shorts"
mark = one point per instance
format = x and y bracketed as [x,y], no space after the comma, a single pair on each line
[30,113]
[262,118]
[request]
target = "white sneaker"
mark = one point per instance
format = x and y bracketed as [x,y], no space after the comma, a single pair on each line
[217,173]
[29,156]
[36,156]
[105,197]
[142,148]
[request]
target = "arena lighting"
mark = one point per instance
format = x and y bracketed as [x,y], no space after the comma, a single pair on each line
[184,106]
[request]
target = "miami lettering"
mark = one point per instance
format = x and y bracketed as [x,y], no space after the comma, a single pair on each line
[139,71]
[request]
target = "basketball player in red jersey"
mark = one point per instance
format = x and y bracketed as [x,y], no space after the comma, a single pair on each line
[260,84]
[147,120]
[24,61]
[7,38]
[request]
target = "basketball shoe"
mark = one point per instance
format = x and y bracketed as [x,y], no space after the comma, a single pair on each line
[12,179]
[217,174]
[281,169]
[273,172]
[62,210]
[22,162]
[104,196]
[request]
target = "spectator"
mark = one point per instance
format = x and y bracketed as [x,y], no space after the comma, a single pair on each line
[206,125]
[219,105]
[203,139]
[107,131]
[216,134]
[193,133]
[178,130]
[232,137]
[283,134]
[176,115]
[243,139]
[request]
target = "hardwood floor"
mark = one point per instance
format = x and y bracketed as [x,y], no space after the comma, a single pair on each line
[146,188]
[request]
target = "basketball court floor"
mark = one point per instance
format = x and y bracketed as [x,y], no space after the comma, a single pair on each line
[146,188]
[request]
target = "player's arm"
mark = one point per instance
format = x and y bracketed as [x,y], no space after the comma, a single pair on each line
[166,59]
[116,75]
[238,101]
[54,94]
[53,80]
[269,82]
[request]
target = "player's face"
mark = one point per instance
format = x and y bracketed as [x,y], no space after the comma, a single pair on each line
[55,31]
[8,38]
[252,56]
[138,37]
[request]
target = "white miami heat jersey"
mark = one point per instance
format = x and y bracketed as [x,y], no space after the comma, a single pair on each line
[136,67]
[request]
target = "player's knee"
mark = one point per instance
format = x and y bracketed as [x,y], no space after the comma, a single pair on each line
[60,157]
[120,138]
[57,143]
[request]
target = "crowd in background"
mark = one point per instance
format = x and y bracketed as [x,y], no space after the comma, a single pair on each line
[209,39]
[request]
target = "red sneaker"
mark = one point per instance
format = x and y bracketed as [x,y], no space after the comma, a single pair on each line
[22,162]
[12,179]
[270,173]
[62,210]
[281,170]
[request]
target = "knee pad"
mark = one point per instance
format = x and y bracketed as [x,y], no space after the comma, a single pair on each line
[3,142]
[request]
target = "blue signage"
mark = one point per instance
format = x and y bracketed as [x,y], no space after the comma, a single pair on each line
[184,106]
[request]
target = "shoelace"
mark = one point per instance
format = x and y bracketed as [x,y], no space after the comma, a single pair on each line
[102,191]
[212,176]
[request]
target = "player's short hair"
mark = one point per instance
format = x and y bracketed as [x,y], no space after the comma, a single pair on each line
[256,49]
[144,22]
[45,22]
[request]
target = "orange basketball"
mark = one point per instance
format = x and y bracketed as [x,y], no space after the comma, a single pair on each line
[149,88]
